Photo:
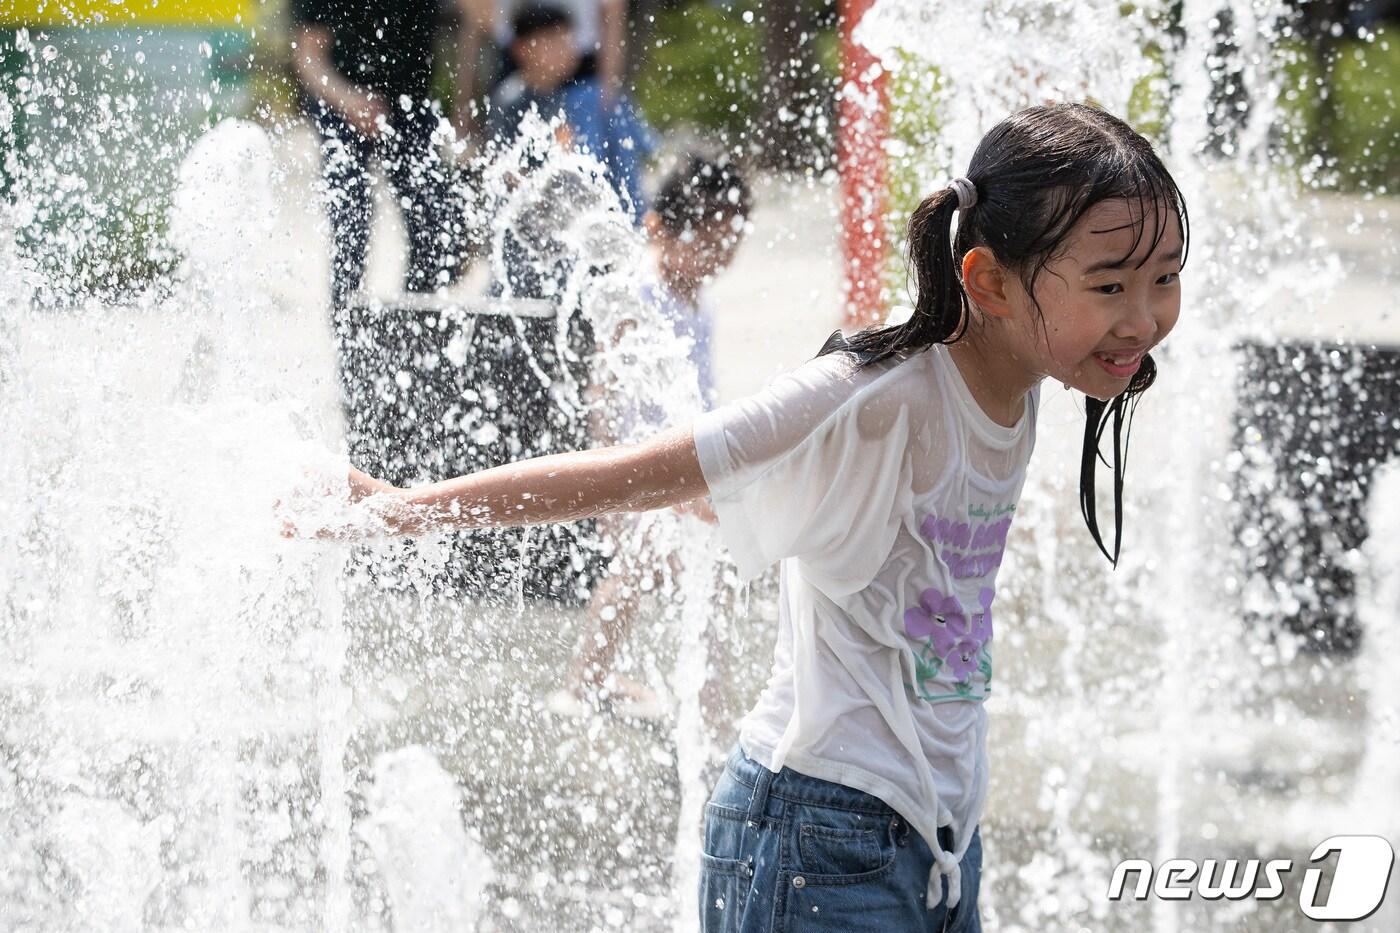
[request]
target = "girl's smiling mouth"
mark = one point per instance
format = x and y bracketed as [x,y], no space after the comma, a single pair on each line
[1121,364]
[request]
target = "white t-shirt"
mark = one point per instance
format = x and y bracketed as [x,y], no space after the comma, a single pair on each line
[887,494]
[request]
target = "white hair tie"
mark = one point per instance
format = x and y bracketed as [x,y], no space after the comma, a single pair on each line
[966,192]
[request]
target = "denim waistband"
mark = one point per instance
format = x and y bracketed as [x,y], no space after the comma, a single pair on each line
[794,787]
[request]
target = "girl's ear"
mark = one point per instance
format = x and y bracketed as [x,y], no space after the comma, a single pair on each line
[986,282]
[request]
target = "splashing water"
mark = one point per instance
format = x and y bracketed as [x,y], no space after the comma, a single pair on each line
[189,696]
[1379,772]
[158,639]
[435,874]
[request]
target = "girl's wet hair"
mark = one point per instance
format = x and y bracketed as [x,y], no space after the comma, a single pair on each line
[1036,173]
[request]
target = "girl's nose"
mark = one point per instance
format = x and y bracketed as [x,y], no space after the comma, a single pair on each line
[1138,323]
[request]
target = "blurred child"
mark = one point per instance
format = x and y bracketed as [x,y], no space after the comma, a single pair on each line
[696,224]
[609,128]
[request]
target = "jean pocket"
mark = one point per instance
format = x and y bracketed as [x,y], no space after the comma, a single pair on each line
[723,886]
[847,876]
[724,871]
[840,850]
[724,831]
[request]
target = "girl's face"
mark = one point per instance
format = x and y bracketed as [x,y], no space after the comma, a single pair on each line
[1103,308]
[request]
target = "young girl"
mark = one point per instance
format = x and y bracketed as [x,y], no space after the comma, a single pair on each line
[884,474]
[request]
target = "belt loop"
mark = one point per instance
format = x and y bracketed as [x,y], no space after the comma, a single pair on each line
[758,803]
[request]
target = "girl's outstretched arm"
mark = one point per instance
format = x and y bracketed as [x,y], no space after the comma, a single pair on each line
[653,474]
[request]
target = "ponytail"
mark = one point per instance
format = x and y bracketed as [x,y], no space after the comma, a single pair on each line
[940,310]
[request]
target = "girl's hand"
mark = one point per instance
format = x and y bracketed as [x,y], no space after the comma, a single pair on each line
[361,507]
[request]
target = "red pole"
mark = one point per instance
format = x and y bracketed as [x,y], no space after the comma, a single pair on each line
[862,125]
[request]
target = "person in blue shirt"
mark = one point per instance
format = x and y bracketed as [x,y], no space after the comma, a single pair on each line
[606,126]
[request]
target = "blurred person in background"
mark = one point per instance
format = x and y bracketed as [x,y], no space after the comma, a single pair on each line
[484,57]
[696,224]
[365,69]
[546,78]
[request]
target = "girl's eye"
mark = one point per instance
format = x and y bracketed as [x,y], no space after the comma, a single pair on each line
[1169,278]
[1110,289]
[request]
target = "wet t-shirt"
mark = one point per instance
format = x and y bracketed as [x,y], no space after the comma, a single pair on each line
[887,494]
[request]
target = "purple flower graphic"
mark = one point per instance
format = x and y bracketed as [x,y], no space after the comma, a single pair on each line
[955,637]
[929,618]
[962,660]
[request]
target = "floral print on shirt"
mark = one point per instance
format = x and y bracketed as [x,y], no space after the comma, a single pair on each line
[951,639]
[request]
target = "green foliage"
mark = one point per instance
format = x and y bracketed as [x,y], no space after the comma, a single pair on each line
[1149,100]
[917,164]
[1338,121]
[1300,86]
[704,68]
[1366,135]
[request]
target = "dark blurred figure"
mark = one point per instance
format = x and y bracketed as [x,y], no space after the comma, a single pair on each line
[365,68]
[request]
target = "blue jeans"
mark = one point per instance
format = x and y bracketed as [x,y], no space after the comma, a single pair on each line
[787,852]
